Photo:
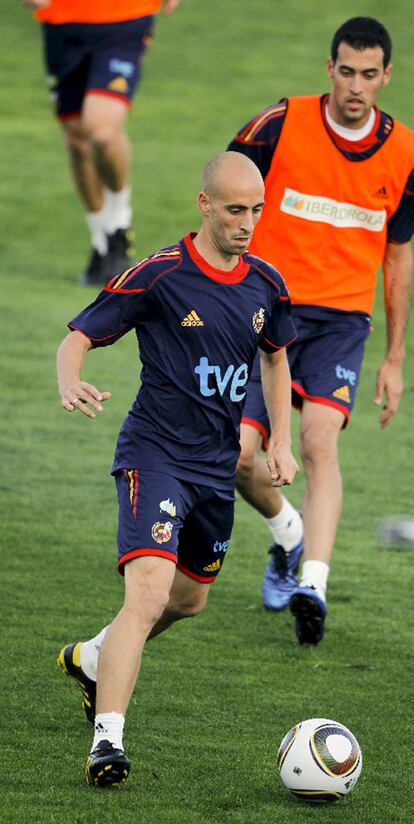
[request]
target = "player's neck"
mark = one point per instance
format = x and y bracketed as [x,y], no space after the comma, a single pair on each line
[352,132]
[212,255]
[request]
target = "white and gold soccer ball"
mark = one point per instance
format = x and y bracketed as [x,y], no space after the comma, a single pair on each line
[319,760]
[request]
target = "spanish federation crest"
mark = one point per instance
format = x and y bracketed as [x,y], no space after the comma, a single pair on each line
[258,320]
[161,532]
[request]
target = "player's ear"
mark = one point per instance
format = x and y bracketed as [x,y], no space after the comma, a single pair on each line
[204,203]
[330,67]
[387,75]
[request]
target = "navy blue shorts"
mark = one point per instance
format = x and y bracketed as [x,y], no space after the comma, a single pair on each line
[325,363]
[101,58]
[187,523]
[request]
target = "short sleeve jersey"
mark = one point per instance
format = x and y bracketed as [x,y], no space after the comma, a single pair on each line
[198,330]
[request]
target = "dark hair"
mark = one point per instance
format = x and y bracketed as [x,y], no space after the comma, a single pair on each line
[362,33]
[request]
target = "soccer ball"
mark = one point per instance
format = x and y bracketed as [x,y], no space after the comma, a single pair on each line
[319,760]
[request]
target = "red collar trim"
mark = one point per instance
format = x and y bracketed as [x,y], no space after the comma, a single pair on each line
[221,275]
[353,146]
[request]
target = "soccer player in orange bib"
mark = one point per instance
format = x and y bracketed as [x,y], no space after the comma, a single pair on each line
[93,54]
[339,204]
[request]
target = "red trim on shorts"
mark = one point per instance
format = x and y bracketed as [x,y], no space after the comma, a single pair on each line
[69,115]
[323,401]
[116,95]
[262,429]
[139,553]
[194,575]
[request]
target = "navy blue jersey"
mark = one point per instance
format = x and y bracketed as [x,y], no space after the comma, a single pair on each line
[198,330]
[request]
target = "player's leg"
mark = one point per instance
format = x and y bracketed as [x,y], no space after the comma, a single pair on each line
[252,475]
[148,581]
[320,427]
[103,121]
[253,483]
[115,69]
[325,367]
[187,598]
[67,60]
[92,193]
[80,660]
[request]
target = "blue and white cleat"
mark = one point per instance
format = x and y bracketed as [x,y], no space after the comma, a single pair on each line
[280,579]
[310,611]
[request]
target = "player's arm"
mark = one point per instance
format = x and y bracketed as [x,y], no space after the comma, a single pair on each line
[35,4]
[276,385]
[258,139]
[167,6]
[74,392]
[397,269]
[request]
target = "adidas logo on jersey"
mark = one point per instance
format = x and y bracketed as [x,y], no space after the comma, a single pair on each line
[192,319]
[342,394]
[382,192]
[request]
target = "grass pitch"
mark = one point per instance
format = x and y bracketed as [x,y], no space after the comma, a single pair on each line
[216,694]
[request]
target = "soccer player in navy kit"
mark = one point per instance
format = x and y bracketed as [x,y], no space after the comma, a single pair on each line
[200,309]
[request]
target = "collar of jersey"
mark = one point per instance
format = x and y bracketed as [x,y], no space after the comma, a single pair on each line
[221,275]
[359,149]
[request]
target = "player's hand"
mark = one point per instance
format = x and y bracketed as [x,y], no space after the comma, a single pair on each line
[80,396]
[281,464]
[168,6]
[35,4]
[389,383]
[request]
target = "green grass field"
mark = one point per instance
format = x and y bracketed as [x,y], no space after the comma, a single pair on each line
[216,694]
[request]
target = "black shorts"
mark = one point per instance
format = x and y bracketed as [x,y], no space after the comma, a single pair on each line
[187,523]
[325,363]
[94,58]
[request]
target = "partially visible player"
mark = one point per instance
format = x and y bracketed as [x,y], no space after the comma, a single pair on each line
[200,309]
[339,203]
[93,53]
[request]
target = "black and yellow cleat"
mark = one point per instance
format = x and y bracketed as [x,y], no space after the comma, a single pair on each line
[69,661]
[106,766]
[121,250]
[98,270]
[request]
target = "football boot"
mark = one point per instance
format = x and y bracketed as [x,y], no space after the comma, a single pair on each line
[69,661]
[120,251]
[98,270]
[106,766]
[280,576]
[310,611]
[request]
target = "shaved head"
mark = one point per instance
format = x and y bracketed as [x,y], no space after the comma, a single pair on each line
[231,202]
[229,168]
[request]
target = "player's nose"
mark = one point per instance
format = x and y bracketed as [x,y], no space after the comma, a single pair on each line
[247,223]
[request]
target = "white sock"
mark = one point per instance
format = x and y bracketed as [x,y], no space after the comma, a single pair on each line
[286,527]
[109,726]
[315,574]
[97,222]
[89,654]
[119,214]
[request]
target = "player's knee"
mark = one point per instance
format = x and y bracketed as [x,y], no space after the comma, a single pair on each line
[102,136]
[147,601]
[189,606]
[77,141]
[318,447]
[245,467]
